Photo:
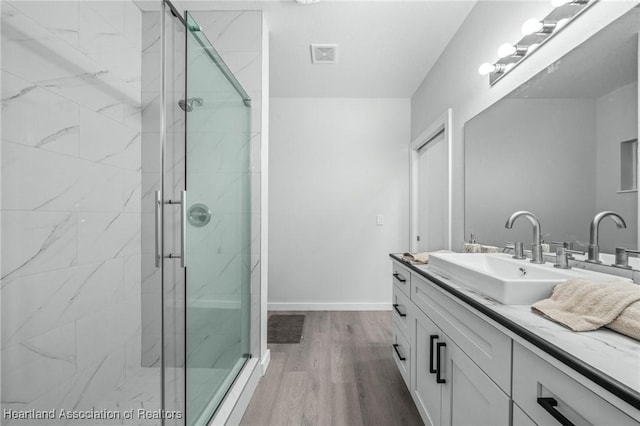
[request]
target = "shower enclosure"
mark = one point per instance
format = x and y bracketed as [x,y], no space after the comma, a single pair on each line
[126,217]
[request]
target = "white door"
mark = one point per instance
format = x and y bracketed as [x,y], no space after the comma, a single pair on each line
[432,188]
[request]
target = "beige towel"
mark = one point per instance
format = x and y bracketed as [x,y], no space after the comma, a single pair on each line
[628,322]
[583,305]
[421,258]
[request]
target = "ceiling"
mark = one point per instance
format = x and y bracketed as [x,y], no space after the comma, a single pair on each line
[603,63]
[385,48]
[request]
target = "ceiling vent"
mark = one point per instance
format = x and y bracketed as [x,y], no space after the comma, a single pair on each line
[324,53]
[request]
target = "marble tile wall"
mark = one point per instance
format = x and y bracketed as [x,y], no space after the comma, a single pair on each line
[71,201]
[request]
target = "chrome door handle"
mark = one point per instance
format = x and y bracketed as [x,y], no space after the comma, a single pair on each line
[158,230]
[183,229]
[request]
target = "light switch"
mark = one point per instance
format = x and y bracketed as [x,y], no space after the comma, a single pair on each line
[379,220]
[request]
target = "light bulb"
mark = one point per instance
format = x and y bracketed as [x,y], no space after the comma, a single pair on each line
[486,68]
[531,26]
[558,3]
[561,23]
[506,49]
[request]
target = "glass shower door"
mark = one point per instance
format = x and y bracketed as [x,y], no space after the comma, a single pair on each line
[217,228]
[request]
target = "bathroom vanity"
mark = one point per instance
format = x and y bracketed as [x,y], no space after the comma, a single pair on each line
[469,360]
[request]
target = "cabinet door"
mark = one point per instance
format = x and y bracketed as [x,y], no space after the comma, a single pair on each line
[469,396]
[426,392]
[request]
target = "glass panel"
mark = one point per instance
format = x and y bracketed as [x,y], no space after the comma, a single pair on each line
[218,229]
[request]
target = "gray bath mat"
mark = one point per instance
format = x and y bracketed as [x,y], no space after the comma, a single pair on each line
[285,328]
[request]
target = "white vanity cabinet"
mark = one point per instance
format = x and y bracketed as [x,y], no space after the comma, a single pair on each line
[448,387]
[464,367]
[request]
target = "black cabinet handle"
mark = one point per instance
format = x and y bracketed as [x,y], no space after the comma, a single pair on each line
[399,278]
[395,306]
[439,345]
[550,404]
[432,338]
[395,347]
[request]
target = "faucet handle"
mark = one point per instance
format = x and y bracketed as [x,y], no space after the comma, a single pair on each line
[567,245]
[518,249]
[563,255]
[622,257]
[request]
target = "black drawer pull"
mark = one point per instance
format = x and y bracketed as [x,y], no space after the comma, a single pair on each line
[399,277]
[550,404]
[395,306]
[439,345]
[395,347]
[432,338]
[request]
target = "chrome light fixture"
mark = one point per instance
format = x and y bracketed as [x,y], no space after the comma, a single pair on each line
[536,32]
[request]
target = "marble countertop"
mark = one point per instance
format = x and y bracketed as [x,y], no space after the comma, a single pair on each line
[605,357]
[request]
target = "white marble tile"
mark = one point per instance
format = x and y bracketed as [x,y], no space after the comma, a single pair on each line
[60,17]
[107,235]
[150,184]
[101,27]
[95,380]
[39,241]
[41,302]
[40,59]
[57,117]
[150,112]
[106,141]
[56,344]
[123,317]
[239,31]
[132,192]
[100,91]
[112,12]
[133,24]
[34,179]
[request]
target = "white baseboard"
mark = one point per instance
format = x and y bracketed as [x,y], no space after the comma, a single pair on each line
[329,306]
[266,359]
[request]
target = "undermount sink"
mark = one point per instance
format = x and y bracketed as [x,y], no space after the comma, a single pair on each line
[507,280]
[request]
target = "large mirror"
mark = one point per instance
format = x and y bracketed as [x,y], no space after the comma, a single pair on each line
[563,146]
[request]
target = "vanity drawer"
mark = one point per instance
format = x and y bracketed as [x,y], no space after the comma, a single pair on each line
[401,312]
[489,348]
[540,389]
[402,355]
[401,278]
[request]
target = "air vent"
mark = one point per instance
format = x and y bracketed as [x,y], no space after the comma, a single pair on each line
[324,53]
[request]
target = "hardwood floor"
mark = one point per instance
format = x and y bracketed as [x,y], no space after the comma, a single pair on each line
[342,373]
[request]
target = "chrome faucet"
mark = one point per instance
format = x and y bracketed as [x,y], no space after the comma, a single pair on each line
[536,246]
[594,249]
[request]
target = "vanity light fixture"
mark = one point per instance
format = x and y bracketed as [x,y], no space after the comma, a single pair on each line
[536,32]
[508,49]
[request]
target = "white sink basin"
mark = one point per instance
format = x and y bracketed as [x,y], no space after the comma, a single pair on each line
[507,280]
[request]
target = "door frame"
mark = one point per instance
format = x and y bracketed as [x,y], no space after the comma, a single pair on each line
[442,123]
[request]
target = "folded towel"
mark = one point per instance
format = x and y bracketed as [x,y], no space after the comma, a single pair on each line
[628,322]
[583,305]
[421,258]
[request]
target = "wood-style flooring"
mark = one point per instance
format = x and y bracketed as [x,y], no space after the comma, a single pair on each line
[342,373]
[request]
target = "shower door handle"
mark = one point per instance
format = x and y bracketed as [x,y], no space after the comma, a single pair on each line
[183,228]
[158,230]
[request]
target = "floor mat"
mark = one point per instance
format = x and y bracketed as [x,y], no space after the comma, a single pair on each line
[285,328]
